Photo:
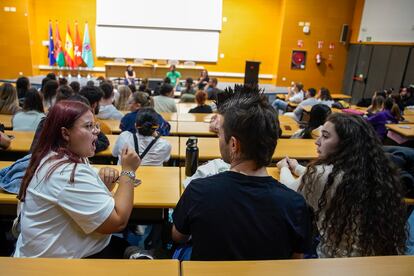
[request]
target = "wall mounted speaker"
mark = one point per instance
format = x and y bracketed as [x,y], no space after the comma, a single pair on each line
[344,33]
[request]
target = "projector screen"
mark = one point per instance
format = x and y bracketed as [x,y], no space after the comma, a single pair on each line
[159,29]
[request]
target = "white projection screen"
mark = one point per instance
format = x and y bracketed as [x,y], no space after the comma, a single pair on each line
[159,29]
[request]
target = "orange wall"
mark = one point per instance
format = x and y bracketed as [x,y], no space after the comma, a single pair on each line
[326,18]
[261,30]
[15,55]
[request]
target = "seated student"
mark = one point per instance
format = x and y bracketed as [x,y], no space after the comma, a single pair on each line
[407,96]
[381,118]
[165,101]
[32,113]
[353,189]
[243,214]
[324,97]
[106,109]
[68,210]
[75,85]
[188,93]
[5,140]
[317,118]
[211,89]
[295,95]
[203,80]
[377,103]
[124,93]
[22,86]
[136,101]
[201,98]
[9,103]
[310,100]
[146,124]
[49,93]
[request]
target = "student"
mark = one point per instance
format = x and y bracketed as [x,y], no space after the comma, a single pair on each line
[377,103]
[165,101]
[174,76]
[106,109]
[22,86]
[188,93]
[146,124]
[295,95]
[68,210]
[243,214]
[407,96]
[124,94]
[310,100]
[49,93]
[130,75]
[353,189]
[211,89]
[136,101]
[317,118]
[32,113]
[201,98]
[9,102]
[381,118]
[325,97]
[75,85]
[203,80]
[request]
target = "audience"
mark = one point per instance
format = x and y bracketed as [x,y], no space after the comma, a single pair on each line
[324,97]
[75,86]
[203,79]
[383,117]
[317,118]
[9,102]
[201,98]
[295,95]
[353,189]
[145,139]
[22,86]
[243,214]
[188,93]
[165,101]
[310,100]
[32,113]
[49,93]
[211,89]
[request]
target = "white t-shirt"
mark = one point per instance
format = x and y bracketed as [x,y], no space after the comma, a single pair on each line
[27,121]
[107,112]
[164,104]
[158,154]
[58,218]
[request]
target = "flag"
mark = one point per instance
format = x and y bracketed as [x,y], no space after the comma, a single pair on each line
[69,56]
[51,52]
[60,58]
[86,48]
[78,47]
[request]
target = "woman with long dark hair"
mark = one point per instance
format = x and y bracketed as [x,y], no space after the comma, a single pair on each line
[353,189]
[317,118]
[67,207]
[32,113]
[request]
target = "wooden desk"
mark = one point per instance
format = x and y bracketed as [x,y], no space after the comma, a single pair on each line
[168,116]
[6,120]
[340,96]
[101,267]
[174,141]
[194,129]
[195,117]
[409,111]
[406,130]
[301,149]
[113,69]
[114,126]
[21,142]
[409,118]
[366,266]
[159,187]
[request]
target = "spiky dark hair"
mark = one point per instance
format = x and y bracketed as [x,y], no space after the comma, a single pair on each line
[228,93]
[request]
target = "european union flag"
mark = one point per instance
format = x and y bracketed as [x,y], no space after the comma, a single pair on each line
[51,52]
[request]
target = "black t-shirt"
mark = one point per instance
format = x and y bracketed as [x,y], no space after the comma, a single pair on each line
[231,216]
[201,109]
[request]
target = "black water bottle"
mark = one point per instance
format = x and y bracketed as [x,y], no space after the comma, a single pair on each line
[191,156]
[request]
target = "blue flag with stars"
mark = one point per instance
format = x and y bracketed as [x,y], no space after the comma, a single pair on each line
[51,52]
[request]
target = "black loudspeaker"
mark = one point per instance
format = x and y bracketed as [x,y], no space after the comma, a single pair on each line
[251,73]
[344,33]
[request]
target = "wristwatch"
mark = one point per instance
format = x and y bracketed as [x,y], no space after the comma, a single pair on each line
[131,176]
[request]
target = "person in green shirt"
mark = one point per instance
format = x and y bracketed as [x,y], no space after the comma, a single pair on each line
[174,76]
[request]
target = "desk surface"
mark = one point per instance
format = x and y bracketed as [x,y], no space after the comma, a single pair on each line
[21,142]
[406,130]
[366,266]
[159,187]
[66,267]
[113,125]
[6,120]
[301,149]
[409,118]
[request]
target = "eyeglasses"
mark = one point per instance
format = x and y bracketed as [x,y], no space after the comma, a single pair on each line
[93,127]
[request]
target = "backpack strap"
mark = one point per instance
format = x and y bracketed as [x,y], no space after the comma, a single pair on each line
[149,146]
[136,142]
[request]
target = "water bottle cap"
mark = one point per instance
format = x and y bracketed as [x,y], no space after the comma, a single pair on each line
[192,141]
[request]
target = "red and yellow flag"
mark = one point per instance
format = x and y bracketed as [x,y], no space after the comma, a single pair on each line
[69,56]
[78,47]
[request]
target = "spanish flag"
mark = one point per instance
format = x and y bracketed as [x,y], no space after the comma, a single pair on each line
[69,56]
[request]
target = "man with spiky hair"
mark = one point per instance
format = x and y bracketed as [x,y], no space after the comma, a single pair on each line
[243,213]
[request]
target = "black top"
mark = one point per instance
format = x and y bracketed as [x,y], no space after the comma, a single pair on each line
[203,82]
[130,72]
[201,109]
[231,216]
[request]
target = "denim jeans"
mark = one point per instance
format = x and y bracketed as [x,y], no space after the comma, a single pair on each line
[280,105]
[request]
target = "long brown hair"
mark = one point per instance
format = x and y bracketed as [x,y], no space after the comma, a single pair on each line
[367,205]
[62,114]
